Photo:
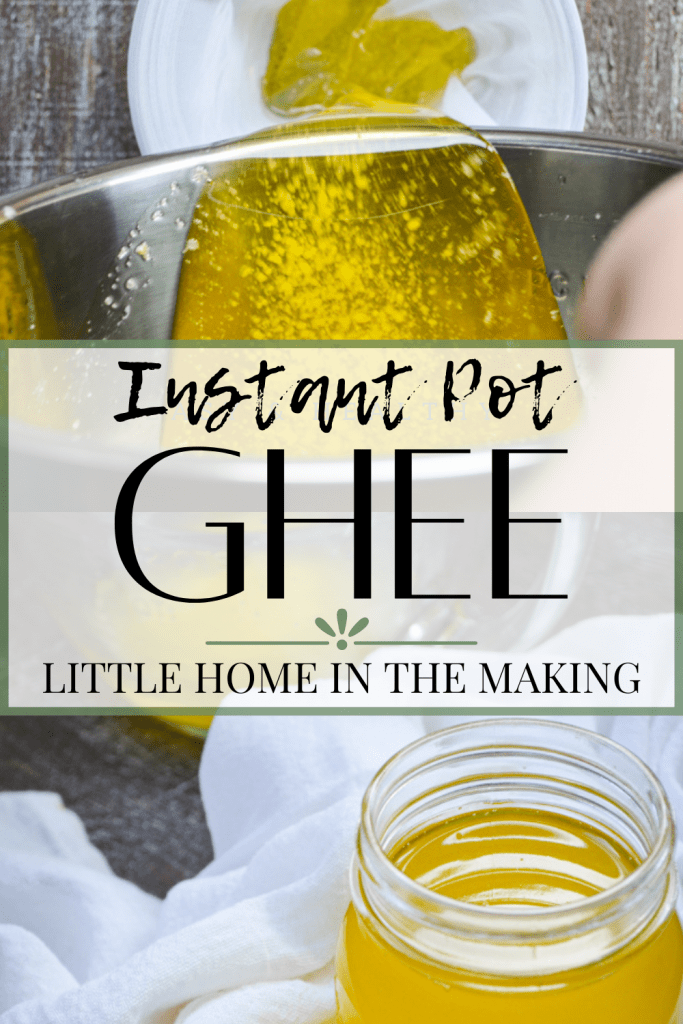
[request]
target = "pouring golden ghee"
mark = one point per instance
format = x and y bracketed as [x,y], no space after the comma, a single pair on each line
[407,244]
[428,240]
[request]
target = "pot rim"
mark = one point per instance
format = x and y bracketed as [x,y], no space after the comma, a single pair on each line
[138,168]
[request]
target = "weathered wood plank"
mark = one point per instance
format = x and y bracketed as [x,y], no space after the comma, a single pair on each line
[63,99]
[635,53]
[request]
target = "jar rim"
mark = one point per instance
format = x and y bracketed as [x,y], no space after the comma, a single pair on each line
[526,920]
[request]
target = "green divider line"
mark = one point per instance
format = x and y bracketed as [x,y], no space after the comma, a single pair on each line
[267,643]
[415,643]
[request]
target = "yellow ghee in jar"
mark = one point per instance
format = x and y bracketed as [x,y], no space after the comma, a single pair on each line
[417,244]
[511,859]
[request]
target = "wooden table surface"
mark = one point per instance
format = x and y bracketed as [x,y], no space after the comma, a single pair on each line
[63,108]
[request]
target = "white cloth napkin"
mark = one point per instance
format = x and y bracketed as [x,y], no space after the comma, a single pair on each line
[251,939]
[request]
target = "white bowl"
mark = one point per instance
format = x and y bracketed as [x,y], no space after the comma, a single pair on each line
[195,67]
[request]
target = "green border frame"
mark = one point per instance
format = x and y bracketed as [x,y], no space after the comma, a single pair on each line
[193,711]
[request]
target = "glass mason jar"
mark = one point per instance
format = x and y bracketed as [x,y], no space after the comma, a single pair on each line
[512,870]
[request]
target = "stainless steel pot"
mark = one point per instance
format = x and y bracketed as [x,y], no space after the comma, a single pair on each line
[575,189]
[95,228]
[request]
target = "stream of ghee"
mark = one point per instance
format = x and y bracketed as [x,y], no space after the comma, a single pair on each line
[511,858]
[419,244]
